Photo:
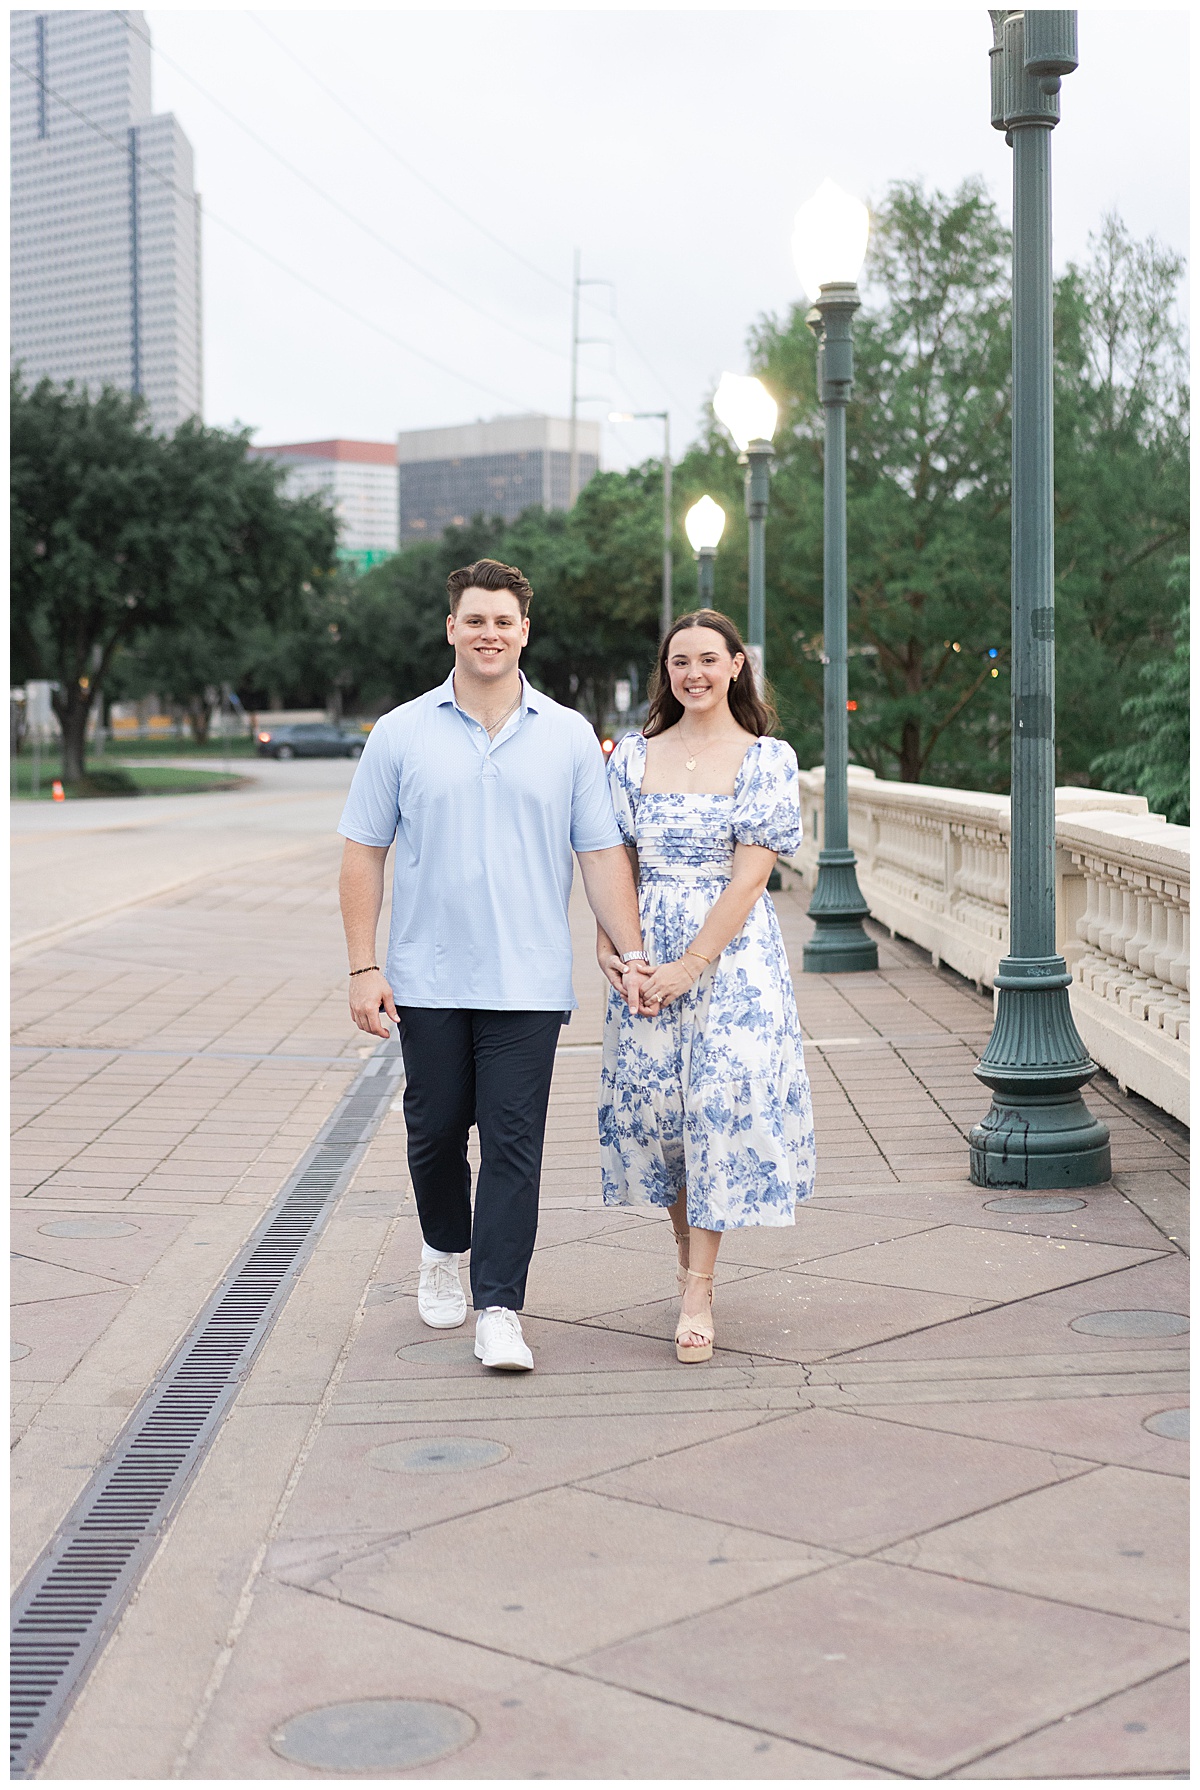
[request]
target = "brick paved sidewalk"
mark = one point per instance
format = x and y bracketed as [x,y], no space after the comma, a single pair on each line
[919,1516]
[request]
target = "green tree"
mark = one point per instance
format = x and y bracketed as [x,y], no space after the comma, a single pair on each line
[124,539]
[1155,762]
[1121,480]
[927,496]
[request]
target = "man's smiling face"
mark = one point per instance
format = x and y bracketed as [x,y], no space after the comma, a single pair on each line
[487,632]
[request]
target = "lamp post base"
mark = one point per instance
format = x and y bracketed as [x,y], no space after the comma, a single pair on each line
[1039,1133]
[840,942]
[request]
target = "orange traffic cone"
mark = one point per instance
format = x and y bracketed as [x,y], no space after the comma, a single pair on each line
[57,791]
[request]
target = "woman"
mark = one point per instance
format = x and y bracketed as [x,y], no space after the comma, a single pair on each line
[704,1103]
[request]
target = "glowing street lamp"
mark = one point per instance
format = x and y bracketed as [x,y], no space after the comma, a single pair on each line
[704,525]
[829,244]
[751,415]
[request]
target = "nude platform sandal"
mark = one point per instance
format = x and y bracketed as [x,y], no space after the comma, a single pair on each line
[696,1326]
[682,1243]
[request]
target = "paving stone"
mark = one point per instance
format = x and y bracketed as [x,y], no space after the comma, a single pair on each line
[980,1263]
[912,1671]
[533,1721]
[1140,1733]
[344,1491]
[537,1593]
[1041,1324]
[796,1316]
[1104,1216]
[1109,1429]
[837,1480]
[1111,1539]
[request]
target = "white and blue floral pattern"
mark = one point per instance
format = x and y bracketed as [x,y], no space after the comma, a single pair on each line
[712,1093]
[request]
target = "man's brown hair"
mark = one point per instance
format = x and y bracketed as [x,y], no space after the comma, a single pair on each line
[489,574]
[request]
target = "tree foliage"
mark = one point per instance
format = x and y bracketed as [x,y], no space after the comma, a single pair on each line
[929,494]
[126,542]
[1155,762]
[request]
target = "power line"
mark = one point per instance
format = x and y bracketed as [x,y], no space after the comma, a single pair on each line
[336,204]
[475,223]
[250,243]
[406,164]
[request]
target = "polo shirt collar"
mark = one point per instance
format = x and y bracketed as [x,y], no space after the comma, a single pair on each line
[530,698]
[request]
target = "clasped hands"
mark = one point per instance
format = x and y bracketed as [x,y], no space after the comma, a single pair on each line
[647,989]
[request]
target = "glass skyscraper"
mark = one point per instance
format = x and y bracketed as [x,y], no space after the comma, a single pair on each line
[105,222]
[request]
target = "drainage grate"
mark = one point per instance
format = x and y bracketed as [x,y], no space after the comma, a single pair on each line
[72,1598]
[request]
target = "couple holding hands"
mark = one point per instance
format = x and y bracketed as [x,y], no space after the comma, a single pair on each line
[487,788]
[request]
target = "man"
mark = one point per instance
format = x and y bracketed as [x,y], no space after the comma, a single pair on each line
[487,787]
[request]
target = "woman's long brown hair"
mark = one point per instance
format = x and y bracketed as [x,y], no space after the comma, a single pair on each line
[749,709]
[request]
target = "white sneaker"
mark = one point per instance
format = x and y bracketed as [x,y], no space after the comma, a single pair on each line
[498,1340]
[440,1298]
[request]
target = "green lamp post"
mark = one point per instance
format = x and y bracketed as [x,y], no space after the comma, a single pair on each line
[704,525]
[1039,1132]
[750,413]
[829,244]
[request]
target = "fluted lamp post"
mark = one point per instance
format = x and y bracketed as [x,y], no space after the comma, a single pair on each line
[751,415]
[829,244]
[1038,1132]
[704,525]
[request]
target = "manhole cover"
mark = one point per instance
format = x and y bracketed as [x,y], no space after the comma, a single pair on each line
[18,1351]
[1131,1323]
[1022,1203]
[383,1734]
[441,1454]
[88,1227]
[1176,1425]
[447,1351]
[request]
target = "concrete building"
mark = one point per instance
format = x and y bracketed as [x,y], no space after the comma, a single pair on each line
[105,221]
[359,479]
[497,468]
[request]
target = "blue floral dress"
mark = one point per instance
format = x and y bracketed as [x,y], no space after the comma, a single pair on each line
[712,1093]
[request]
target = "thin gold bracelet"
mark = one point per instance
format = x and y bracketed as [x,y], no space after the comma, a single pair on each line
[700,955]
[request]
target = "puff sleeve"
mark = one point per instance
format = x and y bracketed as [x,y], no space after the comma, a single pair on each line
[626,768]
[766,806]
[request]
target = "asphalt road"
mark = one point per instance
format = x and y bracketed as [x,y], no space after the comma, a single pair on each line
[75,863]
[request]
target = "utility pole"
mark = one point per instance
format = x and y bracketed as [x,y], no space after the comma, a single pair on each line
[573,484]
[578,342]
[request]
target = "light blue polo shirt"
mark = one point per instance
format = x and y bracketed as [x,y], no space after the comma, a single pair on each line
[484,833]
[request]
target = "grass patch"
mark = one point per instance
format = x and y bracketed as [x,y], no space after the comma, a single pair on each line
[241,747]
[105,779]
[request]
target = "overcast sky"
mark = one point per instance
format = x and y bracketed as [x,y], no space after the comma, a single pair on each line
[671,147]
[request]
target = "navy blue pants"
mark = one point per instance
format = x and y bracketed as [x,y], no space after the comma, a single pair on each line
[471,1067]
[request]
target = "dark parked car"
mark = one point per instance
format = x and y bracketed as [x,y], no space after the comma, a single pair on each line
[309,739]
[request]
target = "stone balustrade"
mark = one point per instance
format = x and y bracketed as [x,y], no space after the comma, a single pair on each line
[933,867]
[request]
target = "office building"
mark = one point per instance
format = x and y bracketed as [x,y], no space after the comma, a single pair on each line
[105,220]
[359,479]
[497,468]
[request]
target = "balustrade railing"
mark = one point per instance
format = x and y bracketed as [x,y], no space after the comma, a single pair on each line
[933,867]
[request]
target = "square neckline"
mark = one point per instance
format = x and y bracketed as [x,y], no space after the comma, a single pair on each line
[691,795]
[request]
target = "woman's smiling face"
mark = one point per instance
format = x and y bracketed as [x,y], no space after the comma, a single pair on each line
[701,669]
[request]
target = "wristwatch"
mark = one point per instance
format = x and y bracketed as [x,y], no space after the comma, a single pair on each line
[634,957]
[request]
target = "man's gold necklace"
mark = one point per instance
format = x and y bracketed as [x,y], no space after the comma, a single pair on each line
[495,727]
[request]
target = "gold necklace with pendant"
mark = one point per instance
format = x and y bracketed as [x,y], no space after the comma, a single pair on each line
[690,763]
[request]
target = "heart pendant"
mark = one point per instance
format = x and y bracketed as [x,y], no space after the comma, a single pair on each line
[690,763]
